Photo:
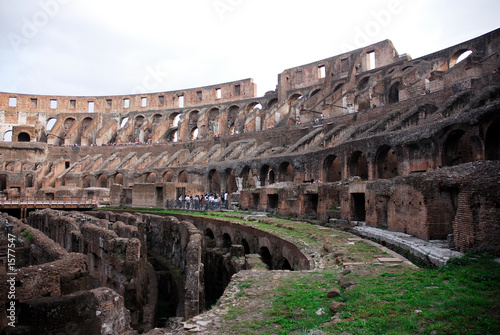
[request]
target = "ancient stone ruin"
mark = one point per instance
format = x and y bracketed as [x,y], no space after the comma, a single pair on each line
[371,137]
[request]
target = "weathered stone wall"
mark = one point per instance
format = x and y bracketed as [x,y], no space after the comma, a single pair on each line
[113,261]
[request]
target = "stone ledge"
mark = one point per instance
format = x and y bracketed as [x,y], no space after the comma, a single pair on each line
[433,251]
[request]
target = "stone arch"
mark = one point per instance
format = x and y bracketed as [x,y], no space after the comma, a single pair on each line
[267,176]
[286,172]
[195,132]
[156,119]
[266,257]
[87,181]
[358,165]
[172,135]
[459,56]
[363,83]
[119,178]
[271,103]
[247,180]
[168,176]
[23,137]
[174,119]
[231,185]
[102,181]
[50,123]
[393,95]
[232,118]
[124,122]
[226,241]
[313,93]
[386,163]
[246,246]
[492,141]
[457,148]
[67,125]
[338,87]
[7,136]
[213,181]
[151,178]
[183,177]
[213,121]
[332,169]
[85,124]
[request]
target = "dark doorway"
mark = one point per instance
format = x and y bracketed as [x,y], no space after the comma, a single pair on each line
[310,203]
[266,257]
[23,137]
[358,203]
[255,201]
[272,200]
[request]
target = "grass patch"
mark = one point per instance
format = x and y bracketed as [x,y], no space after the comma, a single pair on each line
[460,298]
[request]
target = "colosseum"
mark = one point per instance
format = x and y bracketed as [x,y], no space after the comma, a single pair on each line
[370,138]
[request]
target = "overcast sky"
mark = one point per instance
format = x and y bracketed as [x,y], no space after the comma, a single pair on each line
[108,47]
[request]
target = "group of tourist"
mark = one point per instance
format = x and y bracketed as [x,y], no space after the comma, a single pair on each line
[209,201]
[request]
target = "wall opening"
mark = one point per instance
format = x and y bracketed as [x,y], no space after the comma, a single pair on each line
[358,212]
[286,172]
[272,201]
[53,103]
[126,103]
[91,107]
[370,60]
[393,93]
[3,182]
[332,170]
[255,201]
[457,148]
[310,203]
[386,163]
[358,165]
[7,137]
[266,257]
[321,71]
[181,101]
[159,197]
[23,137]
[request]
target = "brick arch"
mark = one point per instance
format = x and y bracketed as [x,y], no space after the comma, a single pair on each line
[332,169]
[267,175]
[457,148]
[386,163]
[358,165]
[247,178]
[286,172]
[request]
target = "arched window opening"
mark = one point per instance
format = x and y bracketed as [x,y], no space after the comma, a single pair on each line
[457,149]
[194,133]
[246,246]
[386,163]
[183,177]
[151,178]
[459,56]
[332,169]
[175,121]
[210,238]
[247,180]
[7,137]
[226,241]
[394,93]
[119,179]
[231,185]
[266,257]
[168,176]
[214,181]
[124,122]
[23,137]
[314,92]
[358,165]
[50,123]
[272,102]
[87,182]
[286,172]
[102,181]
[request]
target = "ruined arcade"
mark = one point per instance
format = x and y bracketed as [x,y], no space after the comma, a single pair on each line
[370,137]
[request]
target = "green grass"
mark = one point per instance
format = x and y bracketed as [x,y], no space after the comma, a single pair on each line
[461,298]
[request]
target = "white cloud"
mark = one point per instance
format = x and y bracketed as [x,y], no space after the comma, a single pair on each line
[95,47]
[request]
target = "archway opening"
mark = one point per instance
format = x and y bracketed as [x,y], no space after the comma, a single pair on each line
[457,148]
[459,56]
[393,93]
[23,137]
[266,257]
[386,163]
[492,141]
[358,165]
[286,172]
[332,169]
